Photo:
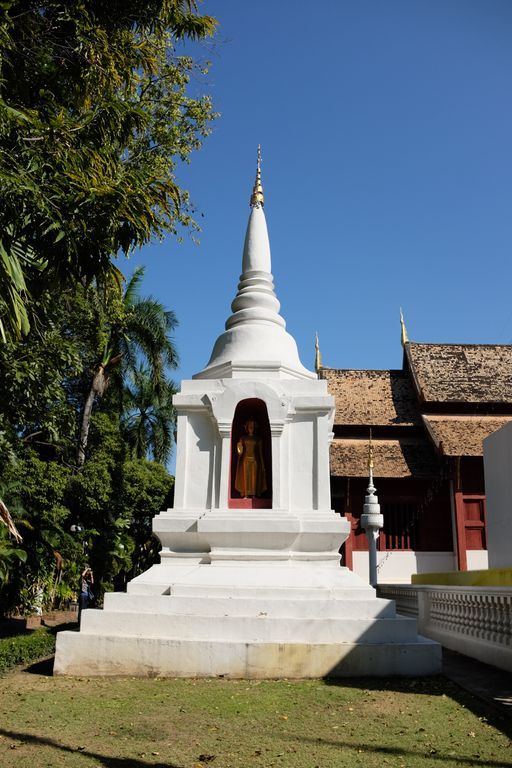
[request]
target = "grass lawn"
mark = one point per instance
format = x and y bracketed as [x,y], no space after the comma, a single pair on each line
[133,723]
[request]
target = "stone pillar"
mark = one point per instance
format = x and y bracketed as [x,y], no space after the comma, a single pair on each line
[372,521]
[179,486]
[225,461]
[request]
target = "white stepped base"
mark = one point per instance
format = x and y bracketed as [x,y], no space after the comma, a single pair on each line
[246,620]
[84,654]
[230,629]
[314,606]
[289,578]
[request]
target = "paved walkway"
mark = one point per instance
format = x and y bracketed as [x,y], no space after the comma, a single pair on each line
[489,683]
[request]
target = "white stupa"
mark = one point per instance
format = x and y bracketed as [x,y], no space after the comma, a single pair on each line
[249,583]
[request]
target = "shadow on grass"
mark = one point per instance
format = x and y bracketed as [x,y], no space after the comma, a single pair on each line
[362,747]
[105,760]
[13,627]
[43,667]
[436,686]
[72,626]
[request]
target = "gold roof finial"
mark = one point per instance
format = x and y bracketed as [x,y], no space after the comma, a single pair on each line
[318,356]
[370,452]
[257,197]
[403,331]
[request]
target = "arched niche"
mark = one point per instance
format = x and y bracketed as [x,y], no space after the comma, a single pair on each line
[251,409]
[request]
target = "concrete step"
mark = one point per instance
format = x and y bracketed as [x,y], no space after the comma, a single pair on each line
[251,592]
[288,581]
[248,629]
[285,593]
[86,654]
[253,605]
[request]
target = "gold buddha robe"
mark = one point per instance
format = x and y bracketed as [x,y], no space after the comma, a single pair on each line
[250,477]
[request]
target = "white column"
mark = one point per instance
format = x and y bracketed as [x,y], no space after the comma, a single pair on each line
[225,460]
[323,440]
[181,460]
[279,465]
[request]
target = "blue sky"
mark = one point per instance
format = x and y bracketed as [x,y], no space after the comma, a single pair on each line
[386,133]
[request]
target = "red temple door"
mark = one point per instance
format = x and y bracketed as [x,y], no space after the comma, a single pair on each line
[470,519]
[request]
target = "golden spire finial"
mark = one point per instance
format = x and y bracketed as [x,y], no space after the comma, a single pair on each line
[318,356]
[370,452]
[257,197]
[403,331]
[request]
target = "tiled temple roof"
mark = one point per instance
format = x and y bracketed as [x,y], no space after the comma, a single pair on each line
[375,398]
[471,384]
[462,435]
[406,457]
[461,373]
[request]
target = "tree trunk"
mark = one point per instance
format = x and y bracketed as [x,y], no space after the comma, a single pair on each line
[97,389]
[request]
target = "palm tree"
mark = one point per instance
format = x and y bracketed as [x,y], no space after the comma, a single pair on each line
[144,333]
[149,416]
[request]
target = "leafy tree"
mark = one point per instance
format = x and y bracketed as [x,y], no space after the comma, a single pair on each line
[145,487]
[111,502]
[141,328]
[95,116]
[44,379]
[37,488]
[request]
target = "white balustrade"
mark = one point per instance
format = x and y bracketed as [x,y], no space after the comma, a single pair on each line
[476,621]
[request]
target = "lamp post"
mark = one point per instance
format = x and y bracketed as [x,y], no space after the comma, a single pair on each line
[371,519]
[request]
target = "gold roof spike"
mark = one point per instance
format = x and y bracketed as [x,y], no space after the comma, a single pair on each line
[318,356]
[257,197]
[403,330]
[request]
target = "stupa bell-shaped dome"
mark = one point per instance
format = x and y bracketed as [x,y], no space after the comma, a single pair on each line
[255,343]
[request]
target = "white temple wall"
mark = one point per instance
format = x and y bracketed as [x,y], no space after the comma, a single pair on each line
[397,567]
[477,559]
[498,489]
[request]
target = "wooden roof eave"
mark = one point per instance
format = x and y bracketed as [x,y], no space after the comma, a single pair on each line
[438,444]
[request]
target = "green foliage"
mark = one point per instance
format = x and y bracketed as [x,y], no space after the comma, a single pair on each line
[42,375]
[44,380]
[34,492]
[145,487]
[95,116]
[148,415]
[112,499]
[141,330]
[24,649]
[10,555]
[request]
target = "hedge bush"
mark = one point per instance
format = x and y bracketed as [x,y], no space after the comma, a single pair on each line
[24,649]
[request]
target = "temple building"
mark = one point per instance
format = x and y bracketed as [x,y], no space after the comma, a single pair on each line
[428,421]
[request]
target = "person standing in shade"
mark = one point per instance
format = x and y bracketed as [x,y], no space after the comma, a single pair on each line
[86,594]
